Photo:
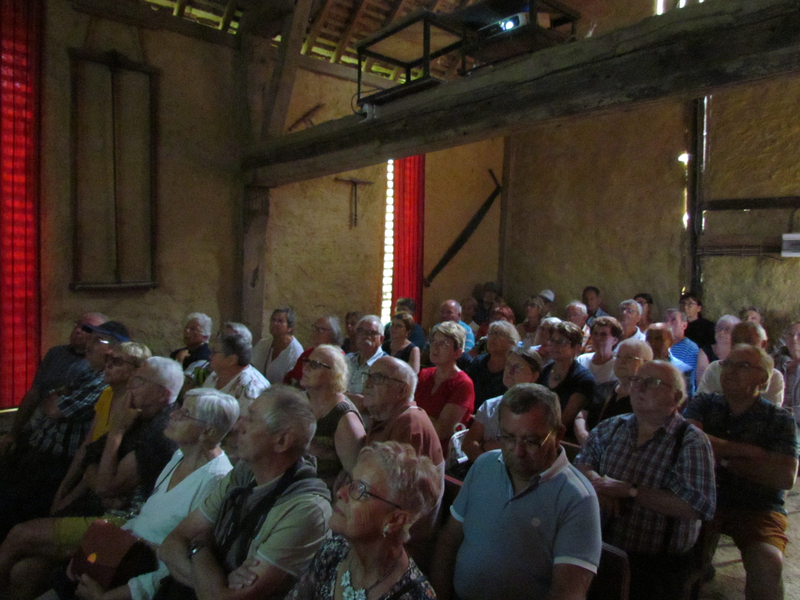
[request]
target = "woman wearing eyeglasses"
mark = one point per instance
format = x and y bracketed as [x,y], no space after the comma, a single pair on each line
[573,384]
[340,431]
[390,488]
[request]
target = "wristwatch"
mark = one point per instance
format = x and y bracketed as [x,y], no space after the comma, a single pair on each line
[194,548]
[634,491]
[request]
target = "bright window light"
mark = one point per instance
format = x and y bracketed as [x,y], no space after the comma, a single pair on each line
[388,246]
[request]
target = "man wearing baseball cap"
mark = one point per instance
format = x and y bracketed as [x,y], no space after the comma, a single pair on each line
[31,474]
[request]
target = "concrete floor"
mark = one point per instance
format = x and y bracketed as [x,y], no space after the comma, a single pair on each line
[728,584]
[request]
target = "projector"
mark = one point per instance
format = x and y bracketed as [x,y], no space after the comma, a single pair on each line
[507,24]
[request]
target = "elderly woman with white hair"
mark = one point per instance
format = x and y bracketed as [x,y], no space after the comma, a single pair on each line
[340,430]
[365,559]
[487,370]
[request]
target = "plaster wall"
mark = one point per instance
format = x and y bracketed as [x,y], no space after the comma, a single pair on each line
[754,144]
[597,200]
[316,261]
[197,181]
[457,182]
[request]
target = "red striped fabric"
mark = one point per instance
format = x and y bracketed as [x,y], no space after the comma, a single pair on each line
[409,230]
[20,43]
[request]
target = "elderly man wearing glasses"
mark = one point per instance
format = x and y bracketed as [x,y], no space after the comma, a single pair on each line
[654,475]
[526,523]
[755,447]
[369,337]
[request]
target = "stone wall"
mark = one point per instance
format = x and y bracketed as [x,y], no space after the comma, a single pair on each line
[197,185]
[597,200]
[754,144]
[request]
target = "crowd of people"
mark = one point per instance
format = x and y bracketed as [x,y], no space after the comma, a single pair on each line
[273,470]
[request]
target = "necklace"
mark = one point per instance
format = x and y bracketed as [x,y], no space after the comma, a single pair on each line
[350,593]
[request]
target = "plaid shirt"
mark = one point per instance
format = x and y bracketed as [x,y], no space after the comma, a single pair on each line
[763,425]
[63,437]
[612,450]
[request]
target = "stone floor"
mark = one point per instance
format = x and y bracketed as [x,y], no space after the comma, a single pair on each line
[728,584]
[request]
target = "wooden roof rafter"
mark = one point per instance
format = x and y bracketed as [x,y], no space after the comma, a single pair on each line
[348,31]
[316,26]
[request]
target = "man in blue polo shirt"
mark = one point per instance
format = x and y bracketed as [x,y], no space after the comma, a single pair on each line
[526,523]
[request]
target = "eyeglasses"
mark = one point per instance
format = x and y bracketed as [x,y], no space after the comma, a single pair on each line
[118,361]
[369,334]
[516,367]
[624,359]
[378,378]
[739,366]
[530,444]
[649,383]
[181,414]
[441,343]
[318,329]
[357,489]
[689,303]
[315,364]
[627,310]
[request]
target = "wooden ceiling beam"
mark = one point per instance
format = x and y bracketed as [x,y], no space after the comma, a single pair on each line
[227,15]
[685,53]
[399,5]
[352,19]
[279,91]
[316,26]
[180,8]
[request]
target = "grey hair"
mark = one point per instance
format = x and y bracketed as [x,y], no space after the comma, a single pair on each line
[336,329]
[579,305]
[168,374]
[742,331]
[632,303]
[239,345]
[731,320]
[532,358]
[240,329]
[677,311]
[406,373]
[413,480]
[506,329]
[339,367]
[524,397]
[135,351]
[215,408]
[641,348]
[373,319]
[291,413]
[290,315]
[203,320]
[452,330]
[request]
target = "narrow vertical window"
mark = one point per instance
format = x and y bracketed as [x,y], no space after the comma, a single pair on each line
[388,247]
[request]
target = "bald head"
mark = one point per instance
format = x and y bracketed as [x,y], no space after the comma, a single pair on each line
[659,336]
[389,389]
[450,310]
[750,333]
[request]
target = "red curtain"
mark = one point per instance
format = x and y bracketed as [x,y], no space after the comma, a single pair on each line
[409,229]
[20,50]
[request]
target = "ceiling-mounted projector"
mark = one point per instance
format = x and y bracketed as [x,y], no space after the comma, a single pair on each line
[506,24]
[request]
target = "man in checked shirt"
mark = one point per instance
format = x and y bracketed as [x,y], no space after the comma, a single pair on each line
[654,476]
[30,476]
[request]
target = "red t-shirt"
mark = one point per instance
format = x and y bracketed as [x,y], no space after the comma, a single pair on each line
[457,390]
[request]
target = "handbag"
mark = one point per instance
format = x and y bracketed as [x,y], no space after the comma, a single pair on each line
[111,555]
